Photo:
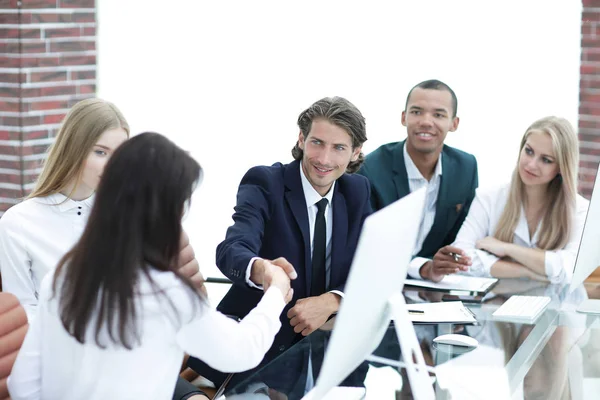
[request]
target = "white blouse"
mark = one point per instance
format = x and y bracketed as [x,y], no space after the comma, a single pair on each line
[34,235]
[53,365]
[483,218]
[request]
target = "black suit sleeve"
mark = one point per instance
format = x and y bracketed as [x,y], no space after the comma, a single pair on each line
[364,212]
[244,238]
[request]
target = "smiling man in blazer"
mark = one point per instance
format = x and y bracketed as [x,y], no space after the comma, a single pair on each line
[450,175]
[305,217]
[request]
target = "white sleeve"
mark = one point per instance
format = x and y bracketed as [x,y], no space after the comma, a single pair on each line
[15,263]
[248,271]
[414,267]
[25,380]
[559,264]
[476,227]
[231,346]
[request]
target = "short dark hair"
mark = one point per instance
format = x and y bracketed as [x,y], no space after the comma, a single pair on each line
[435,85]
[340,112]
[134,227]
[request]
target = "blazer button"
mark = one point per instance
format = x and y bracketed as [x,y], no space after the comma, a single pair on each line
[281,348]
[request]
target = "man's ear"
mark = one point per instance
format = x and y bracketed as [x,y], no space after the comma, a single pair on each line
[403,118]
[356,153]
[455,122]
[301,141]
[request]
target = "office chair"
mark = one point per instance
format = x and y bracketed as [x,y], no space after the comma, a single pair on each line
[13,327]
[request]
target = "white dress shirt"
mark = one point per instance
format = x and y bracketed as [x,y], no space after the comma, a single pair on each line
[34,236]
[415,182]
[312,197]
[53,365]
[483,218]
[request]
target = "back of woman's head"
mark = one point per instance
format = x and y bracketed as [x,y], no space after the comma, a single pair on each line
[134,226]
[81,128]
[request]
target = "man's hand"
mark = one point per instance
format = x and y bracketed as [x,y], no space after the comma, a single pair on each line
[492,245]
[311,313]
[258,269]
[447,260]
[276,275]
[188,265]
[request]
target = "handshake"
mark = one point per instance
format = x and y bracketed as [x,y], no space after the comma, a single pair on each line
[277,273]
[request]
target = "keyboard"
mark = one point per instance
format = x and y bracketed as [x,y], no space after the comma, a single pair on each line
[522,308]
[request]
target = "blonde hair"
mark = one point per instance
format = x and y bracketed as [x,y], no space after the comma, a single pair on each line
[556,224]
[81,129]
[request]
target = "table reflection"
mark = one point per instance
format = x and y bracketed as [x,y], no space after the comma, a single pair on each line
[548,359]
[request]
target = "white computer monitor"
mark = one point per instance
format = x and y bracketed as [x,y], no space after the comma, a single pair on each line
[378,270]
[588,256]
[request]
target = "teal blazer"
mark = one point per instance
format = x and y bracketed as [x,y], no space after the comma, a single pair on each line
[386,171]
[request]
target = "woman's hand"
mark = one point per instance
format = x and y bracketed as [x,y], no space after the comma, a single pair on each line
[493,245]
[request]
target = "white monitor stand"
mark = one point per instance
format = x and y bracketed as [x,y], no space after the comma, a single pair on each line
[588,257]
[373,297]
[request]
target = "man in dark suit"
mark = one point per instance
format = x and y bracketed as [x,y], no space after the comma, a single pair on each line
[305,217]
[450,175]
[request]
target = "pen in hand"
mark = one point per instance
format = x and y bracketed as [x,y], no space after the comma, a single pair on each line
[456,256]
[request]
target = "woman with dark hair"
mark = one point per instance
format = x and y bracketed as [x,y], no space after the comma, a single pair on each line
[116,317]
[36,233]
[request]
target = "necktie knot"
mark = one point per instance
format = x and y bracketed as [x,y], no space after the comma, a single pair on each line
[321,205]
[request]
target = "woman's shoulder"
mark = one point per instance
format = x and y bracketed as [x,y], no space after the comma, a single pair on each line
[493,193]
[28,209]
[15,215]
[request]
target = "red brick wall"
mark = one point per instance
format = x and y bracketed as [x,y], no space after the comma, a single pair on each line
[47,63]
[589,95]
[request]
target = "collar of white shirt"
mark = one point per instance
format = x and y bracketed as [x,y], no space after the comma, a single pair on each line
[63,203]
[311,196]
[413,172]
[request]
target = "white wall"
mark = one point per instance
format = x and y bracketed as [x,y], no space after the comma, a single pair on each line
[227,79]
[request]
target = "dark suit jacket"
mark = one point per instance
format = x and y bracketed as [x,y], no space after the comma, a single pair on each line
[270,221]
[386,171]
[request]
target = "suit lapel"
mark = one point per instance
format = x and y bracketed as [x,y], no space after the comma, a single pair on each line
[400,175]
[294,196]
[338,235]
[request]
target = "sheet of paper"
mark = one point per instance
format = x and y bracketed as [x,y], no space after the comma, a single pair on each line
[445,312]
[455,282]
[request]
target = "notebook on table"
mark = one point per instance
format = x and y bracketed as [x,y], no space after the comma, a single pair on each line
[456,284]
[451,312]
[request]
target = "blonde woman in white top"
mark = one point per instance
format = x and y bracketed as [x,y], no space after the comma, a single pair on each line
[116,316]
[37,232]
[532,227]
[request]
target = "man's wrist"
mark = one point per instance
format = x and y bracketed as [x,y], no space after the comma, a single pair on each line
[257,272]
[333,302]
[425,270]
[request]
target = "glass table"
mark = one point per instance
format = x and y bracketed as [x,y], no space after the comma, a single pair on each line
[556,357]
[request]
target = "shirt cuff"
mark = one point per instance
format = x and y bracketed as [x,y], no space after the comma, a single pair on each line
[248,271]
[484,266]
[556,267]
[414,267]
[338,292]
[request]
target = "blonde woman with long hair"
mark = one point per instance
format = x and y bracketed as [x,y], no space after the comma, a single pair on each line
[532,227]
[36,233]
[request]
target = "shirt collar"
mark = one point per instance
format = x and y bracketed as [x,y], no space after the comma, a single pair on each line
[413,172]
[311,196]
[63,203]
